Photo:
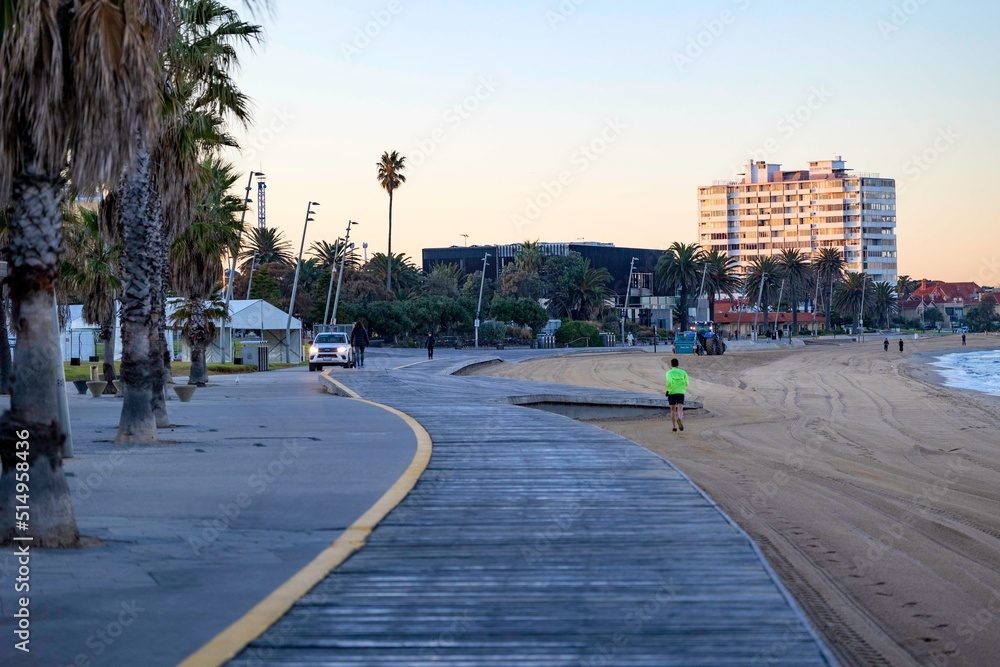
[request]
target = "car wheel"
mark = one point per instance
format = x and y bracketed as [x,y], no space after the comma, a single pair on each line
[312,368]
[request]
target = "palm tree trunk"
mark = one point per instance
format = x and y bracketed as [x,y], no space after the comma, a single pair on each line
[198,338]
[388,254]
[5,362]
[30,433]
[684,308]
[829,306]
[168,353]
[157,337]
[137,423]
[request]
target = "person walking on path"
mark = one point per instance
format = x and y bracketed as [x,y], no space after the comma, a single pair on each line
[677,383]
[430,345]
[885,345]
[963,340]
[901,345]
[359,340]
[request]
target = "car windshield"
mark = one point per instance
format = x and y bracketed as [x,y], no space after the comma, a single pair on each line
[334,338]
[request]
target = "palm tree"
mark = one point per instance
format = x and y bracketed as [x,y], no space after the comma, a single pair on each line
[763,280]
[390,177]
[530,257]
[330,255]
[195,262]
[679,270]
[722,277]
[853,292]
[77,78]
[90,268]
[905,286]
[885,302]
[266,246]
[829,269]
[407,274]
[796,271]
[584,294]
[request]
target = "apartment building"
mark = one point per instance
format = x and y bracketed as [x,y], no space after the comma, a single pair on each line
[826,205]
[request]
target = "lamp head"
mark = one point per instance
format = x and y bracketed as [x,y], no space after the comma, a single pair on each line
[314,203]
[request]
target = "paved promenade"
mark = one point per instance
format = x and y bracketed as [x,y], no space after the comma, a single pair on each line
[533,539]
[254,481]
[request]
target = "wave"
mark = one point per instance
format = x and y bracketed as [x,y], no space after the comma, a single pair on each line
[978,371]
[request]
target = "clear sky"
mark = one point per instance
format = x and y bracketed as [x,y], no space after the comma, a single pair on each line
[598,120]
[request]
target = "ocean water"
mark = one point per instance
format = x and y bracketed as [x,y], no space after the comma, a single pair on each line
[979,371]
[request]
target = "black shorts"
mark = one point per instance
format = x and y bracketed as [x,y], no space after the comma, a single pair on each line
[675,399]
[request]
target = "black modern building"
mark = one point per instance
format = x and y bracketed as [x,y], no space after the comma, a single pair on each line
[645,305]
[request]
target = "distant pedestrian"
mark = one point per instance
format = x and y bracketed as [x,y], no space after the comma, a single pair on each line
[359,341]
[885,345]
[900,344]
[781,332]
[430,345]
[677,383]
[630,340]
[963,340]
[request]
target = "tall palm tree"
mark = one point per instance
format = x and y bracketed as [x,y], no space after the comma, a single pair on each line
[829,269]
[679,270]
[885,302]
[266,246]
[390,177]
[584,294]
[80,78]
[195,262]
[90,267]
[797,272]
[905,286]
[763,280]
[853,292]
[530,257]
[330,255]
[722,277]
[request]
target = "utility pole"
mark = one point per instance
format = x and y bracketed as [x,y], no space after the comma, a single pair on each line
[223,343]
[479,308]
[628,288]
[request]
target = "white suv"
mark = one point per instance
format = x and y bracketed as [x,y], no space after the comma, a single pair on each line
[330,349]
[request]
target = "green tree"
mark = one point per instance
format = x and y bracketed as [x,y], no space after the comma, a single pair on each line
[679,270]
[796,271]
[438,313]
[523,312]
[265,287]
[385,319]
[76,79]
[829,270]
[722,277]
[90,268]
[390,177]
[984,316]
[851,293]
[582,293]
[442,281]
[266,246]
[885,303]
[407,274]
[578,334]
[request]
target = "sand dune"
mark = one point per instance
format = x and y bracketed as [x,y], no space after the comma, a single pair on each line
[874,492]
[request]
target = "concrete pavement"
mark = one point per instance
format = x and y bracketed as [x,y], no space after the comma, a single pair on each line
[255,479]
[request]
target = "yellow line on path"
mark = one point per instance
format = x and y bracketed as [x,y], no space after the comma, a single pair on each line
[267,612]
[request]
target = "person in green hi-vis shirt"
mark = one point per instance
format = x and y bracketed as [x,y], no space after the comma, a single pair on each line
[677,383]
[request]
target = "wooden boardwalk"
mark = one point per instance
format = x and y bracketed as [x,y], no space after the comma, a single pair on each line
[533,539]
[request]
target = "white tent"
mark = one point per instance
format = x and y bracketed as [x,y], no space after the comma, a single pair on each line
[255,320]
[79,338]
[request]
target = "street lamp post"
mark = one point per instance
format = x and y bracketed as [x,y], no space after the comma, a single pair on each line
[253,267]
[224,344]
[333,270]
[466,237]
[340,281]
[760,293]
[628,289]
[295,288]
[777,310]
[479,307]
[861,314]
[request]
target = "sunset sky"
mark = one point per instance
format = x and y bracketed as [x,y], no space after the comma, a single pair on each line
[632,104]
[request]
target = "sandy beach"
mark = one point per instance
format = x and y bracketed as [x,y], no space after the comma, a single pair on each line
[873,490]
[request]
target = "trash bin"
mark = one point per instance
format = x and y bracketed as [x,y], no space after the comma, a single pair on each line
[263,358]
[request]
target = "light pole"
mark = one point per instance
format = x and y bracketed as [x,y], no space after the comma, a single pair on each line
[224,344]
[777,310]
[340,281]
[701,290]
[295,288]
[760,293]
[861,314]
[466,237]
[365,247]
[479,308]
[628,288]
[253,267]
[333,267]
